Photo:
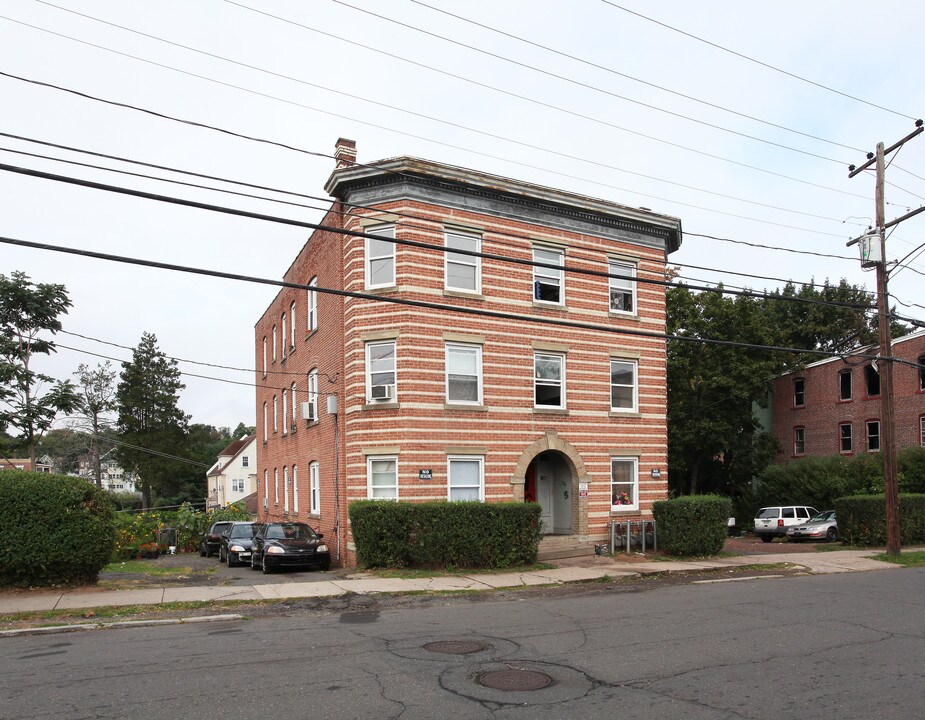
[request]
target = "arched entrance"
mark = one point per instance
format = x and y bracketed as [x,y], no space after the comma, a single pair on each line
[548,481]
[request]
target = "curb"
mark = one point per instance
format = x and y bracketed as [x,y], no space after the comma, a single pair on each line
[54,629]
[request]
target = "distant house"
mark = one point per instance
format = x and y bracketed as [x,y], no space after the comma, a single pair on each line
[833,406]
[233,477]
[25,464]
[112,476]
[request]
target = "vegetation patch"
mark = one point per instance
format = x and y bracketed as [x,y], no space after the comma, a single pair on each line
[915,558]
[693,525]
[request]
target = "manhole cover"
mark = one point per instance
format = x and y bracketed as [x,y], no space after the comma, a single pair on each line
[514,680]
[456,647]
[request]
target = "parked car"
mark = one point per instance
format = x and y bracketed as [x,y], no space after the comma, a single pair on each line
[821,526]
[237,544]
[772,522]
[289,545]
[212,538]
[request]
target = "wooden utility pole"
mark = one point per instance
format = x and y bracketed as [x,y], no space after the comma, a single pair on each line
[885,354]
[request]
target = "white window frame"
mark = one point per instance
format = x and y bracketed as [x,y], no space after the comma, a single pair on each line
[266,487]
[370,460]
[799,440]
[313,390]
[466,349]
[312,315]
[625,286]
[282,323]
[295,404]
[245,461]
[468,261]
[295,488]
[382,231]
[274,344]
[292,325]
[480,459]
[276,486]
[850,437]
[922,431]
[369,371]
[275,414]
[868,436]
[285,411]
[264,355]
[285,488]
[634,482]
[237,485]
[561,358]
[635,386]
[314,475]
[265,422]
[547,275]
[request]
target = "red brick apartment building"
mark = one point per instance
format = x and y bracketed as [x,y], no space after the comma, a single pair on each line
[359,398]
[833,406]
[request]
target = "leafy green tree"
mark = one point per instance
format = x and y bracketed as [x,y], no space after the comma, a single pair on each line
[201,446]
[152,428]
[97,399]
[27,311]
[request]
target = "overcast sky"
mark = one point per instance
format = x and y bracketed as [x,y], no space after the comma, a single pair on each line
[313,74]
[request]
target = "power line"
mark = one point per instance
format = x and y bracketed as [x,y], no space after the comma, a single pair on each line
[611,70]
[753,60]
[540,320]
[768,247]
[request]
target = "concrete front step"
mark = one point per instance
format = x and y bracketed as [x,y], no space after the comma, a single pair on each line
[558,547]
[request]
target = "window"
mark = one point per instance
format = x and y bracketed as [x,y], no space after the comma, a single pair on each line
[799,441]
[245,461]
[266,487]
[315,488]
[275,415]
[282,323]
[382,478]
[466,478]
[788,512]
[292,326]
[313,390]
[237,486]
[548,285]
[274,343]
[380,371]
[295,406]
[799,392]
[873,380]
[380,258]
[922,431]
[264,422]
[286,489]
[285,411]
[873,435]
[464,374]
[295,489]
[845,440]
[622,385]
[623,288]
[264,355]
[549,380]
[844,385]
[921,362]
[312,305]
[462,272]
[275,486]
[624,483]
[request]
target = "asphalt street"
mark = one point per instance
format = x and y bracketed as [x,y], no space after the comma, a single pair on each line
[848,646]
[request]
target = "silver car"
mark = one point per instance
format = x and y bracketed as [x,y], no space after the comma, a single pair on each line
[821,526]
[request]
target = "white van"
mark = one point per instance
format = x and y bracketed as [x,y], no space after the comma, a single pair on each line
[771,522]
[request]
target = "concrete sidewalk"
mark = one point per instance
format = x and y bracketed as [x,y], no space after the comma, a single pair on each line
[583,570]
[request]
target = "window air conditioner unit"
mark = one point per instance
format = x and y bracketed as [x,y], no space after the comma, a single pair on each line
[308,410]
[381,392]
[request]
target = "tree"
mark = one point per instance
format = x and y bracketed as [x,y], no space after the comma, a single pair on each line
[27,310]
[97,398]
[151,425]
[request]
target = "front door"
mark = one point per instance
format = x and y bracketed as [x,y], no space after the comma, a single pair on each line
[544,495]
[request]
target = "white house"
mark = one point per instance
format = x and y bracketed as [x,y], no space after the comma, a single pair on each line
[234,475]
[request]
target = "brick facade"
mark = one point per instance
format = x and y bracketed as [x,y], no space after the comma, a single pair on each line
[825,412]
[417,428]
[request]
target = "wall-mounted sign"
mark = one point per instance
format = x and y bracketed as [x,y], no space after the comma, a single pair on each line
[425,474]
[582,490]
[656,473]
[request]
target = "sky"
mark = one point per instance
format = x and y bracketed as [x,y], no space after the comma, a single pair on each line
[585,96]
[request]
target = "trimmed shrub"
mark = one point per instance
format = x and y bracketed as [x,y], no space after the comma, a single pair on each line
[53,529]
[692,524]
[911,467]
[445,534]
[862,519]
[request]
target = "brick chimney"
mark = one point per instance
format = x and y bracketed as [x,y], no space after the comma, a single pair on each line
[345,153]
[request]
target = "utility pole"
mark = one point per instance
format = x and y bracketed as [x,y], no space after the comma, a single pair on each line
[887,434]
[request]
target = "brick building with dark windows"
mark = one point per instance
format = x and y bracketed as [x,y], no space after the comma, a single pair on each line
[833,406]
[361,398]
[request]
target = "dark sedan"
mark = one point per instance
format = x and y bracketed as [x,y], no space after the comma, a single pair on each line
[237,544]
[211,539]
[288,545]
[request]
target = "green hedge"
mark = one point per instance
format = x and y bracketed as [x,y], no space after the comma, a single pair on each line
[445,534]
[692,524]
[53,529]
[862,519]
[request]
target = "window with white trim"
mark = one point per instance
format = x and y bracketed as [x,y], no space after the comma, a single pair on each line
[922,431]
[292,325]
[312,305]
[465,477]
[464,374]
[275,414]
[295,488]
[623,389]
[799,441]
[285,411]
[921,362]
[873,435]
[264,355]
[549,380]
[623,287]
[462,272]
[265,422]
[276,486]
[266,486]
[282,322]
[286,488]
[382,478]
[845,438]
[295,405]
[313,390]
[624,483]
[274,343]
[380,257]
[380,371]
[245,461]
[237,485]
[314,477]
[799,392]
[549,283]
